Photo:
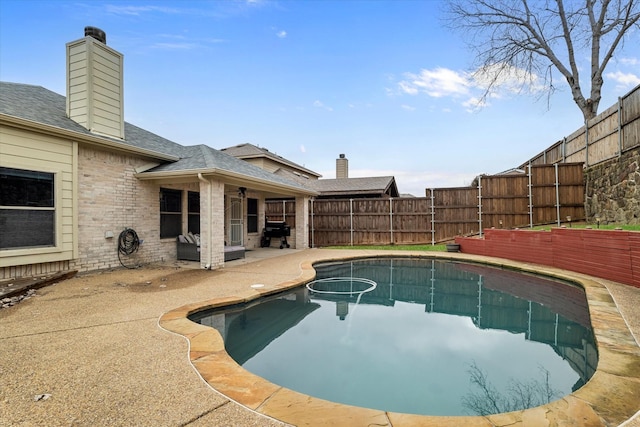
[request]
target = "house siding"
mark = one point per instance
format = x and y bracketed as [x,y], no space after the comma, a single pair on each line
[95,87]
[35,151]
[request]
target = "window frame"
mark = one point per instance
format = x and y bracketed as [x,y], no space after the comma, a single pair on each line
[252,218]
[192,214]
[170,214]
[55,209]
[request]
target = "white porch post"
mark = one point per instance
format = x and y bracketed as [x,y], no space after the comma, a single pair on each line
[211,223]
[302,222]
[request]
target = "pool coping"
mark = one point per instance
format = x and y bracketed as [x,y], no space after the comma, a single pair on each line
[610,397]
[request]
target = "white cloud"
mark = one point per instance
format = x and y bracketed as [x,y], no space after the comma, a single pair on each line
[474,104]
[436,83]
[281,34]
[303,149]
[502,80]
[319,104]
[629,61]
[408,107]
[623,80]
[505,78]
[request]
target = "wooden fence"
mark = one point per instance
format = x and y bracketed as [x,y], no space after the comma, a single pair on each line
[608,135]
[545,194]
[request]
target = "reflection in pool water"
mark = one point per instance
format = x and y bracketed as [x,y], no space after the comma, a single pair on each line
[433,337]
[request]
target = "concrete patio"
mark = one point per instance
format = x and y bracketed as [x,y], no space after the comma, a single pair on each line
[92,350]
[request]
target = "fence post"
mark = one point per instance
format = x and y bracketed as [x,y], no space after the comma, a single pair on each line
[391,218]
[530,198]
[557,195]
[351,220]
[284,211]
[480,204]
[619,126]
[433,220]
[564,149]
[313,240]
[586,143]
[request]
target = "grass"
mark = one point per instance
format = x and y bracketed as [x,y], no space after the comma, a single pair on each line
[626,227]
[436,248]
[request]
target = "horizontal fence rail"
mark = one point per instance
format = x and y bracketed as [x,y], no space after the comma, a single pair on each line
[606,136]
[544,194]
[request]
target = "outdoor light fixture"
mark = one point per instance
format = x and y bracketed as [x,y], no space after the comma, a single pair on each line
[242,191]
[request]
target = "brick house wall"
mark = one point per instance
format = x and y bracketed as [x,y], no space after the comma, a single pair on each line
[111,199]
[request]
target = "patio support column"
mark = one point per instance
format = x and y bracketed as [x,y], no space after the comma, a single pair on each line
[302,222]
[211,223]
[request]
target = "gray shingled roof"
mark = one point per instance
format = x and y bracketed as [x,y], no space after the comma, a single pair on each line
[355,186]
[374,186]
[206,158]
[41,105]
[250,151]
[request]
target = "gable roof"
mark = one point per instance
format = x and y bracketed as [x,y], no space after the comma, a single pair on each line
[208,160]
[377,185]
[250,151]
[36,106]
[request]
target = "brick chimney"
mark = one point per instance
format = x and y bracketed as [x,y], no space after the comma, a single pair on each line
[95,84]
[342,167]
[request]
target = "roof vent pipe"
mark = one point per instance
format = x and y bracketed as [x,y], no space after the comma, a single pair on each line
[96,33]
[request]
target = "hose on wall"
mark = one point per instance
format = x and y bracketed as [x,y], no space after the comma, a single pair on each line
[128,244]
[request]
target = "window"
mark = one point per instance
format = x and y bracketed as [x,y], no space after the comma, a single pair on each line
[27,209]
[252,215]
[170,213]
[193,207]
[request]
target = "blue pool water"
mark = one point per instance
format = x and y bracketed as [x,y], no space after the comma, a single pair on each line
[417,336]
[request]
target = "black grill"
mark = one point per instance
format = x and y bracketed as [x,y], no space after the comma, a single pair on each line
[278,229]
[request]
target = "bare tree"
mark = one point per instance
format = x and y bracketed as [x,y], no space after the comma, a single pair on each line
[518,395]
[540,37]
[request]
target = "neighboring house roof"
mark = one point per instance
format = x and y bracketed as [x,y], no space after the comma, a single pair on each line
[42,106]
[357,187]
[512,171]
[378,186]
[250,151]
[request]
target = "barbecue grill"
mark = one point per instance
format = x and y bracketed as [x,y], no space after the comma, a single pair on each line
[278,229]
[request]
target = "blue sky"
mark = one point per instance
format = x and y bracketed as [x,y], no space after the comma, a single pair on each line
[384,82]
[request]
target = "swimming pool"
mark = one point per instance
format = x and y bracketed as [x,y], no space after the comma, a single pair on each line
[432,337]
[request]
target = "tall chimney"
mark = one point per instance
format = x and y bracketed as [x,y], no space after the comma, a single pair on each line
[342,167]
[95,84]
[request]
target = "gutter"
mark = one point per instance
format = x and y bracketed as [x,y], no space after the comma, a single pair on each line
[232,178]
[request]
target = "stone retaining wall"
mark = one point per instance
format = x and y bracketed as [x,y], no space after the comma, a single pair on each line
[613,190]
